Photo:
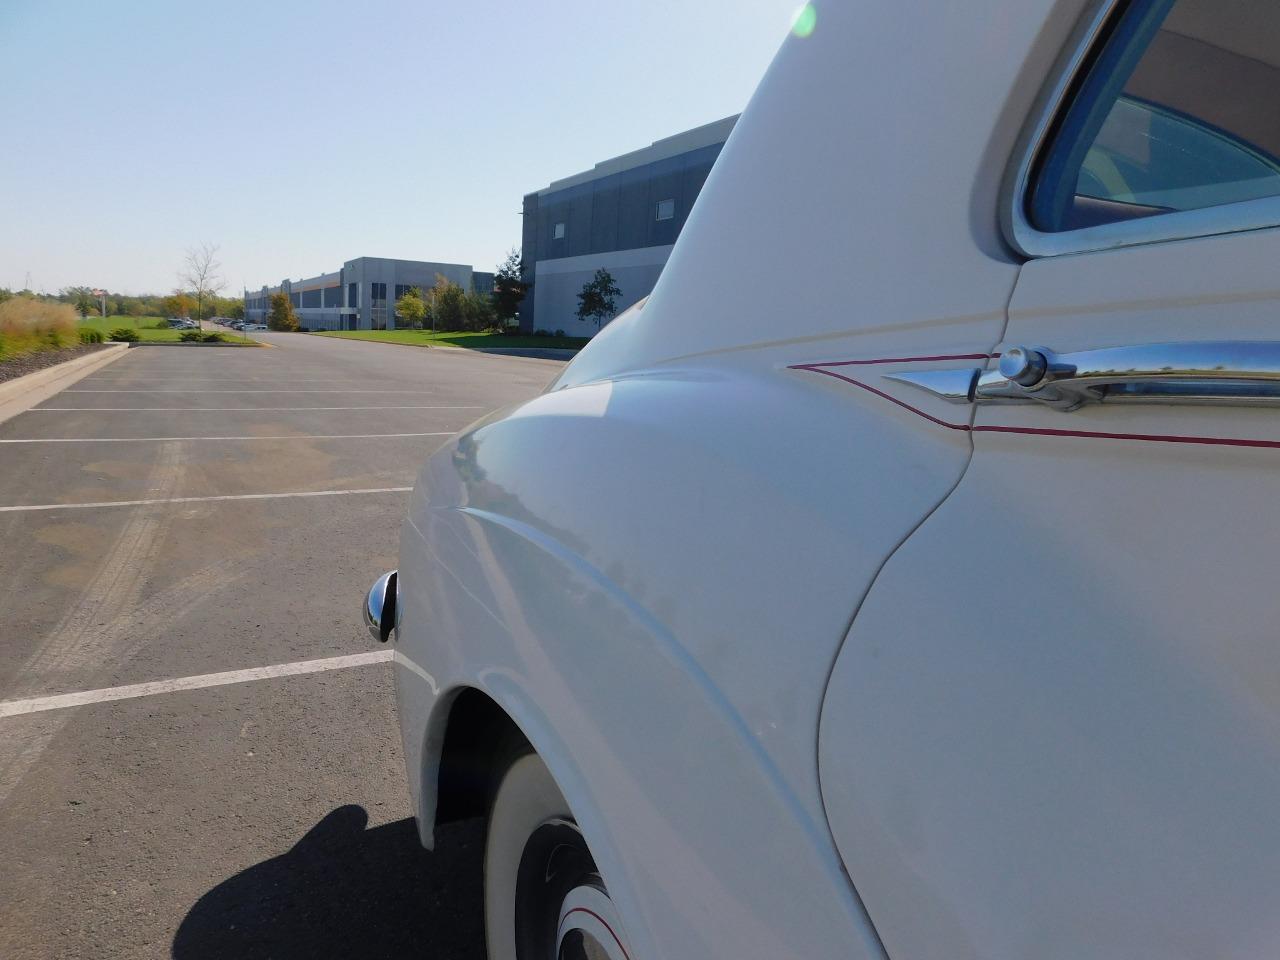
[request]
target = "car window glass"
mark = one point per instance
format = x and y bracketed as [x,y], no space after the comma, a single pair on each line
[1179,111]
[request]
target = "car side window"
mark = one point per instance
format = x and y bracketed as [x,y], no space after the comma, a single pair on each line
[1179,110]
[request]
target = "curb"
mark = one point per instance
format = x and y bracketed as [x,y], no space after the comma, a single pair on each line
[519,353]
[183,343]
[20,395]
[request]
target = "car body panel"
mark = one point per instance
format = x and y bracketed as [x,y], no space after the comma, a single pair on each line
[839,208]
[679,717]
[652,568]
[1055,727]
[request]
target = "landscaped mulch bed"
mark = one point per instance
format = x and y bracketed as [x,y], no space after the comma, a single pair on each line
[31,362]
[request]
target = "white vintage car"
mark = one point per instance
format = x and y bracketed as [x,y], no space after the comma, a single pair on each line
[900,580]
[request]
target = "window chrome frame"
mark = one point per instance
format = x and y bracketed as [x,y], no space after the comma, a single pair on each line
[1026,239]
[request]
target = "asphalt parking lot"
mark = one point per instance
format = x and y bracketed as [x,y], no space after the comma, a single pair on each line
[189,511]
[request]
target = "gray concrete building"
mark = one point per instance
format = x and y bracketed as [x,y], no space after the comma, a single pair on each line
[363,294]
[623,215]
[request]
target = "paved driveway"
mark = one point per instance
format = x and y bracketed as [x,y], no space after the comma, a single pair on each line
[193,511]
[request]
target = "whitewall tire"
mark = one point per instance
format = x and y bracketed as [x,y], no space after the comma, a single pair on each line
[543,897]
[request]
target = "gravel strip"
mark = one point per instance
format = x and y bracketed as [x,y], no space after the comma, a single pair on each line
[16,367]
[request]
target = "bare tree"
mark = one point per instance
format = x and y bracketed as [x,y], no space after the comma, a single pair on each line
[200,275]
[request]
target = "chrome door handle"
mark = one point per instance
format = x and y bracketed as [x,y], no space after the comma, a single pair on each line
[1223,372]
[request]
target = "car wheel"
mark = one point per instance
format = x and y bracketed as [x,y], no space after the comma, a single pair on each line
[543,896]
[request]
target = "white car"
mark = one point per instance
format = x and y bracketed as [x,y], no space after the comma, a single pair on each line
[900,580]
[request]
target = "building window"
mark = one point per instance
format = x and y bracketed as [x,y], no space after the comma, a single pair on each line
[666,209]
[558,232]
[378,305]
[353,295]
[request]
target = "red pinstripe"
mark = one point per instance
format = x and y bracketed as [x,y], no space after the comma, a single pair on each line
[825,370]
[604,923]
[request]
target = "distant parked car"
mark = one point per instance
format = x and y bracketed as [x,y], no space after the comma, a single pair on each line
[255,326]
[924,607]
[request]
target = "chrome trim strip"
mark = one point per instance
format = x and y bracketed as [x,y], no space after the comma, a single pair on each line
[1229,218]
[954,386]
[1221,372]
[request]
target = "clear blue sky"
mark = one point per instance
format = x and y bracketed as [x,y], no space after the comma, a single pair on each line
[300,133]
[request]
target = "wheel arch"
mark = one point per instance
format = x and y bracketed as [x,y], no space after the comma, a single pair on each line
[470,739]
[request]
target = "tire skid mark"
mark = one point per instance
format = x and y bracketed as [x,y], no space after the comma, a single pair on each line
[105,624]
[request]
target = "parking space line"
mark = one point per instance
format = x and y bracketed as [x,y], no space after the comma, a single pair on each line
[32,508]
[16,708]
[215,379]
[166,390]
[305,436]
[224,409]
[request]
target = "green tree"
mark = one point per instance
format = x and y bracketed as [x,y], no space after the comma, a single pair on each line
[478,313]
[281,316]
[598,299]
[412,309]
[509,288]
[236,311]
[447,305]
[177,304]
[81,298]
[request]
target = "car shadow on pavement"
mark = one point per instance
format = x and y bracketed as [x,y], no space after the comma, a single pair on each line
[344,891]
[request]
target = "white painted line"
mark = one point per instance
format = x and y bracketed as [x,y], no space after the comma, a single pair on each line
[232,496]
[223,409]
[424,392]
[17,708]
[215,379]
[327,436]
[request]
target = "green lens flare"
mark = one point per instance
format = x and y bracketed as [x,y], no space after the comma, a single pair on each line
[805,20]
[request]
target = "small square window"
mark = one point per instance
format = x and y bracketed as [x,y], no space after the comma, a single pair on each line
[558,233]
[666,209]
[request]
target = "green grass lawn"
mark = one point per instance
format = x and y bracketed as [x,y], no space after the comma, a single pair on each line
[471,341]
[148,330]
[146,326]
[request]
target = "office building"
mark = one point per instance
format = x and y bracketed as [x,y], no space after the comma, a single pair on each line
[363,294]
[623,215]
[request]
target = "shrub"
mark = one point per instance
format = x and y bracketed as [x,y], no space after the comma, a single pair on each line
[28,325]
[191,336]
[478,313]
[281,317]
[213,337]
[559,333]
[124,335]
[90,335]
